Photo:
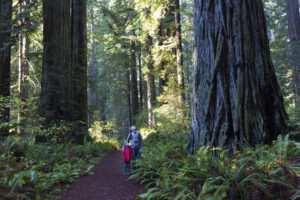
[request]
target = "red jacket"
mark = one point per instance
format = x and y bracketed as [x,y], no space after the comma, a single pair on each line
[127,153]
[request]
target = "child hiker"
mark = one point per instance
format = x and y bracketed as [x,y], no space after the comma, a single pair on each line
[127,155]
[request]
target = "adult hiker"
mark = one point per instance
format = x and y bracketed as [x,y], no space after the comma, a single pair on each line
[136,145]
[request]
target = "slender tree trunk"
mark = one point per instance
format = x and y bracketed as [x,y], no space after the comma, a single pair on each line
[92,76]
[134,82]
[129,98]
[236,98]
[56,70]
[179,56]
[293,16]
[140,79]
[150,82]
[5,53]
[24,43]
[79,68]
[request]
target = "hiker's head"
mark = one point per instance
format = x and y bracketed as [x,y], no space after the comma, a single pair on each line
[133,128]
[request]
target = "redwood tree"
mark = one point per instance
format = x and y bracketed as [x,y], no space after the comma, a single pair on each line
[79,68]
[5,53]
[56,70]
[141,93]
[134,82]
[236,99]
[23,74]
[179,56]
[64,73]
[150,81]
[293,16]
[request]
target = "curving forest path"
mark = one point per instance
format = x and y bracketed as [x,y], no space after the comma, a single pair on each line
[107,183]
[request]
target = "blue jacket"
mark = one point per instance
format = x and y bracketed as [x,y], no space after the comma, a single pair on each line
[136,140]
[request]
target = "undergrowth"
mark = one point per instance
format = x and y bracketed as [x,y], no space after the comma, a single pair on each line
[266,172]
[42,171]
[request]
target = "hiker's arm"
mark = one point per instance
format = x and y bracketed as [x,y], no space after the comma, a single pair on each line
[128,138]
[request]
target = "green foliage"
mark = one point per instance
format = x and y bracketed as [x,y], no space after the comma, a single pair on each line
[268,172]
[30,115]
[105,133]
[40,171]
[170,116]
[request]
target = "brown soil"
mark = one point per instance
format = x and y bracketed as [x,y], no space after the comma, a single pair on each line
[107,183]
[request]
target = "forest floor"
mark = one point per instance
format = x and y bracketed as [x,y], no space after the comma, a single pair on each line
[107,182]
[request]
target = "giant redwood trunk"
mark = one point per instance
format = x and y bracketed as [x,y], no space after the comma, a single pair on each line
[5,53]
[293,16]
[56,70]
[79,69]
[64,75]
[236,99]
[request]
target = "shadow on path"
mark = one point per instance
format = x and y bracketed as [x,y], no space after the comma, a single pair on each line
[107,183]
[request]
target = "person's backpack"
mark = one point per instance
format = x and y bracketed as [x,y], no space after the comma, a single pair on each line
[127,153]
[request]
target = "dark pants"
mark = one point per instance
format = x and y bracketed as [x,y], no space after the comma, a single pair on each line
[136,155]
[126,166]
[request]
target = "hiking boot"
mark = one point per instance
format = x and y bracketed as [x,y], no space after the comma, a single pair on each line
[128,173]
[124,173]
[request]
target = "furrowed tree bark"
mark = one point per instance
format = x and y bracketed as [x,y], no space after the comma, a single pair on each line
[79,69]
[64,73]
[56,90]
[150,82]
[134,83]
[236,99]
[293,16]
[179,55]
[5,54]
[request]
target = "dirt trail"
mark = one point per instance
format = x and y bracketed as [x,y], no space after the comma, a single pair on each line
[107,183]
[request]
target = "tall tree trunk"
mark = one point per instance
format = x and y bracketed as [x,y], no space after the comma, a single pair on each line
[5,53]
[134,82]
[150,82]
[179,56]
[56,70]
[236,98]
[129,98]
[79,69]
[140,79]
[293,16]
[24,43]
[92,76]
